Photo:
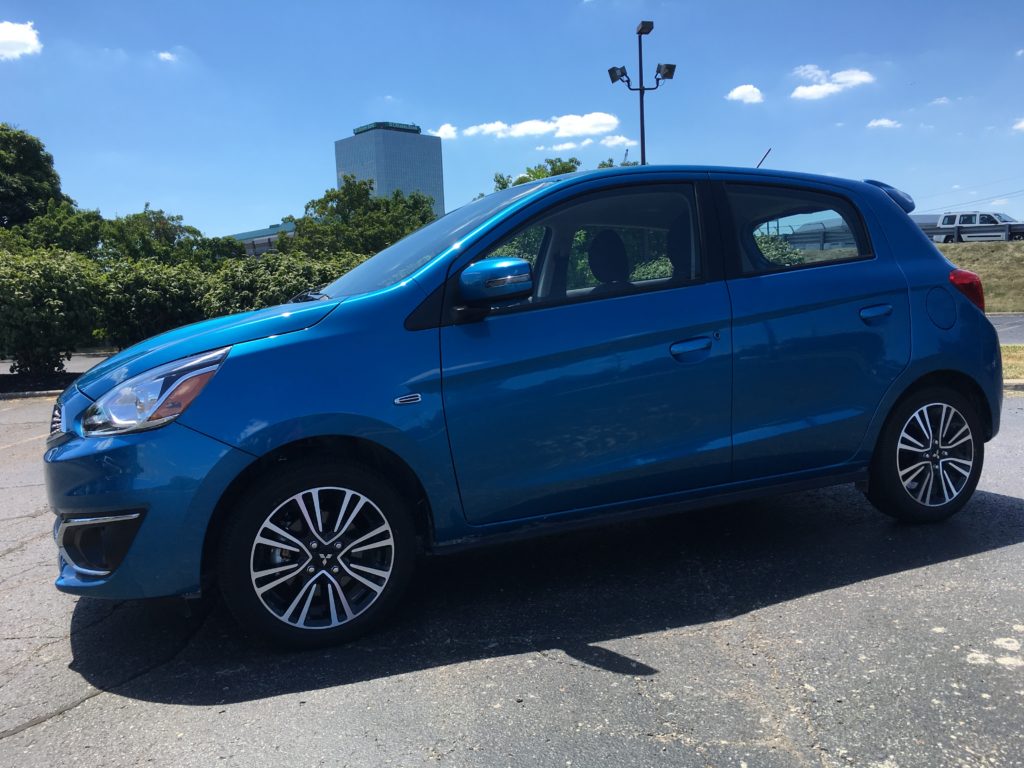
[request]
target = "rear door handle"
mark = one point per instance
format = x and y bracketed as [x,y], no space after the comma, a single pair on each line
[875,312]
[691,349]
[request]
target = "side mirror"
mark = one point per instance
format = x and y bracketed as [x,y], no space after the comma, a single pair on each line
[492,280]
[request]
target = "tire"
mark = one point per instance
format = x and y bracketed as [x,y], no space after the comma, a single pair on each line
[1017,236]
[948,239]
[916,479]
[316,554]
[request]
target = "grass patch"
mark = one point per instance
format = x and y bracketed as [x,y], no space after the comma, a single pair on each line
[1013,361]
[1001,267]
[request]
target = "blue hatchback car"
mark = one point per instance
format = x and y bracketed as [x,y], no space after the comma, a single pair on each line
[583,348]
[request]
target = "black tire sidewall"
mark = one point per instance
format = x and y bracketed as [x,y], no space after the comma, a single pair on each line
[885,489]
[260,500]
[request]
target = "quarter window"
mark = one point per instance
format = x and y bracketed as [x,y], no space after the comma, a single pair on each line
[781,228]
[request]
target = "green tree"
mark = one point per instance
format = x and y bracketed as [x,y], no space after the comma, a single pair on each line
[609,163]
[47,308]
[552,166]
[63,226]
[239,285]
[777,250]
[155,235]
[151,234]
[28,180]
[351,220]
[143,298]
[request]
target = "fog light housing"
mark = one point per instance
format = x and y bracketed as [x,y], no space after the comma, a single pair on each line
[95,546]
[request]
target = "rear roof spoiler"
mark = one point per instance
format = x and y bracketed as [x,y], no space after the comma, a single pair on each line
[902,199]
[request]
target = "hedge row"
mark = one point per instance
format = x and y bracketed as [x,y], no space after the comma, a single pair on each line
[53,302]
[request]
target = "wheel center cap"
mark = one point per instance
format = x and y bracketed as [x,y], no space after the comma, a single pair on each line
[324,558]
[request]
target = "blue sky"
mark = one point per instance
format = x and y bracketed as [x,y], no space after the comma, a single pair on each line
[226,112]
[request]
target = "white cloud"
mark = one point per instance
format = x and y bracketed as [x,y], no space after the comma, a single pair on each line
[840,125]
[446,131]
[562,126]
[17,40]
[1019,125]
[167,56]
[824,83]
[617,141]
[487,129]
[564,146]
[999,201]
[748,94]
[1020,52]
[586,142]
[927,127]
[939,102]
[884,122]
[955,186]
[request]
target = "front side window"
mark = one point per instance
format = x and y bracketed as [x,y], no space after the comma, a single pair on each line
[949,221]
[987,219]
[611,243]
[782,228]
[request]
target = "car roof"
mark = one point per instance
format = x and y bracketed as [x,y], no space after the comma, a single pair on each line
[654,169]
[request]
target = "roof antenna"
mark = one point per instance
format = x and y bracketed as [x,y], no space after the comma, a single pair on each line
[762,158]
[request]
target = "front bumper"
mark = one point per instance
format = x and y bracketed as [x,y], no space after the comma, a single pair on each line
[133,510]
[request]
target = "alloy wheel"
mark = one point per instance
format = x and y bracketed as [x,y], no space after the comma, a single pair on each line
[322,557]
[935,454]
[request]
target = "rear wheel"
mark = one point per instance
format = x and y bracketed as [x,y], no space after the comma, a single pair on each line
[928,458]
[316,554]
[948,239]
[1017,236]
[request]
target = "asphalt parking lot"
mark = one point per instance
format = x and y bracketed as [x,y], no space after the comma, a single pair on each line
[1009,327]
[801,630]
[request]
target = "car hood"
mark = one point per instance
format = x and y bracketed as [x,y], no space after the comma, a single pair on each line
[201,337]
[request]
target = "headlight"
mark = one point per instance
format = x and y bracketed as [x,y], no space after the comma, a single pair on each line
[153,398]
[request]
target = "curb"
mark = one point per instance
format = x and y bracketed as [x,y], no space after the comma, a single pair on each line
[38,393]
[1014,385]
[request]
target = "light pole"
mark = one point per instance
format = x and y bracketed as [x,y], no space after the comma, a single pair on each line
[663,72]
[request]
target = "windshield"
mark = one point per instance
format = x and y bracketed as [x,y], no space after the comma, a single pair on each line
[1005,219]
[397,262]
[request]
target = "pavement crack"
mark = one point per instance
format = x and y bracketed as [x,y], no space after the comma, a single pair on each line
[77,702]
[24,543]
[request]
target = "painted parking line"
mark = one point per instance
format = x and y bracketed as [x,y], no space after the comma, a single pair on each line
[21,442]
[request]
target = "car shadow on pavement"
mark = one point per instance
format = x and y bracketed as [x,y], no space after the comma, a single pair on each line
[569,593]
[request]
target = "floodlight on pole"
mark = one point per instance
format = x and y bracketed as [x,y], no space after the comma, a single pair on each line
[618,73]
[664,72]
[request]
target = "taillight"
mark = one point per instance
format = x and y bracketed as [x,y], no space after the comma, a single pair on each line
[969,284]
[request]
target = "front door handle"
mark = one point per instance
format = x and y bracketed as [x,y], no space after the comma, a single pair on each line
[691,349]
[875,312]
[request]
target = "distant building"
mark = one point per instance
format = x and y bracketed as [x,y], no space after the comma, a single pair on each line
[262,240]
[396,157]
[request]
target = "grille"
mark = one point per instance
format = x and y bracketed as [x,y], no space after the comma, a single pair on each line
[56,420]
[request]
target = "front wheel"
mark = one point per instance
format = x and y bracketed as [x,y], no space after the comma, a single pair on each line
[316,554]
[1017,236]
[929,457]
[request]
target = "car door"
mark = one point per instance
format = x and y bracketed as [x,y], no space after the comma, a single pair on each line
[821,325]
[612,383]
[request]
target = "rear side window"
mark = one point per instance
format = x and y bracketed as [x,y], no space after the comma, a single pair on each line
[949,221]
[781,228]
[968,219]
